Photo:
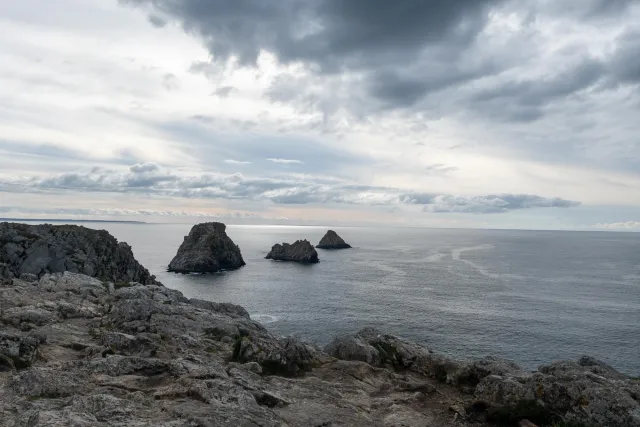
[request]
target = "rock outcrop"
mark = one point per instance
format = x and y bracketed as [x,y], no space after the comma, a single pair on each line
[301,251]
[79,351]
[587,393]
[35,250]
[331,240]
[207,249]
[100,354]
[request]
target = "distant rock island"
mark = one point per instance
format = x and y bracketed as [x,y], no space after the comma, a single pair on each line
[36,250]
[301,251]
[207,249]
[331,240]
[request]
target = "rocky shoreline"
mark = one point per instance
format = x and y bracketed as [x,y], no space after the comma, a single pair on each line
[82,351]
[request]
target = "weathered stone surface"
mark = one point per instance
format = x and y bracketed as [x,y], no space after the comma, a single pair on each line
[207,249]
[31,251]
[585,393]
[17,351]
[96,354]
[378,349]
[331,240]
[301,251]
[134,355]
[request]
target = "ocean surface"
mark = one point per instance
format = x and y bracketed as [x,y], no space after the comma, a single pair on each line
[529,296]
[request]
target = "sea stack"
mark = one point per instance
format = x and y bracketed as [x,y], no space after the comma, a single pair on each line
[207,249]
[301,251]
[331,240]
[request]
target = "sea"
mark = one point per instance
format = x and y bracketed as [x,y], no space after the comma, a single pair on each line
[528,296]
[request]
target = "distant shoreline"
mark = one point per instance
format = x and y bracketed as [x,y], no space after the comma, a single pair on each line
[50,220]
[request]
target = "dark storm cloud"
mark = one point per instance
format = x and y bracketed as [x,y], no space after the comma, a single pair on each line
[625,64]
[157,21]
[524,100]
[402,52]
[328,33]
[151,179]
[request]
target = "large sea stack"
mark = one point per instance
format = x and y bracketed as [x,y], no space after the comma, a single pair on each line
[207,249]
[331,240]
[35,250]
[301,251]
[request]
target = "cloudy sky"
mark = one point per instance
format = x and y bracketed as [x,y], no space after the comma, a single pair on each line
[442,113]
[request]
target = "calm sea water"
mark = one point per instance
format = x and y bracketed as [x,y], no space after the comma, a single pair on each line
[530,296]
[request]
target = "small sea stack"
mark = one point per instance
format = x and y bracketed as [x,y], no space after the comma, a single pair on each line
[331,240]
[301,251]
[207,249]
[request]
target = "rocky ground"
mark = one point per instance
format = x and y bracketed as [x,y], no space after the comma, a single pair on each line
[120,349]
[207,249]
[301,251]
[78,351]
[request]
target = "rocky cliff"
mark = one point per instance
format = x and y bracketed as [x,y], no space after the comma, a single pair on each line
[207,249]
[40,249]
[301,251]
[331,240]
[78,351]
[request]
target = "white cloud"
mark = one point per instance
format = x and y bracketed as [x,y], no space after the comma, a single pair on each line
[237,162]
[621,226]
[286,161]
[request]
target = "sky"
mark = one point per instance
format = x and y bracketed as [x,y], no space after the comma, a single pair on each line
[440,113]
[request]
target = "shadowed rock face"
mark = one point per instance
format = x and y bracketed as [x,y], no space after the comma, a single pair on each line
[301,251]
[207,249]
[331,240]
[35,250]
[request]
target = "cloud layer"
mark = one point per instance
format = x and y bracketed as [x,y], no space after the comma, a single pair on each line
[152,179]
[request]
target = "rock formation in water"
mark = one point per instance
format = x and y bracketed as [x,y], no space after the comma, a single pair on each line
[301,251]
[207,249]
[35,250]
[331,240]
[75,350]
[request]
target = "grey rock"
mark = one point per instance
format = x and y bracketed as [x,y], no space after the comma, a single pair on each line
[384,350]
[35,250]
[207,249]
[564,391]
[226,308]
[331,240]
[47,382]
[26,277]
[17,351]
[353,347]
[301,251]
[284,357]
[144,355]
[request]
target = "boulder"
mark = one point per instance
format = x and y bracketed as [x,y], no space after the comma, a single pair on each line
[207,249]
[31,251]
[301,251]
[331,240]
[586,393]
[388,351]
